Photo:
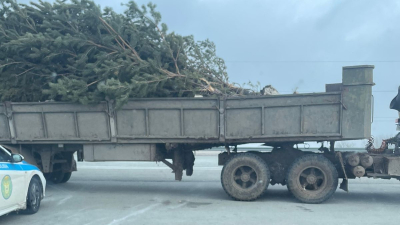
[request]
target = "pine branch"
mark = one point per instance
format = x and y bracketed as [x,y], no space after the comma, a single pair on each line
[121,39]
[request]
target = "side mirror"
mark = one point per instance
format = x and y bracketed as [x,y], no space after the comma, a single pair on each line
[16,158]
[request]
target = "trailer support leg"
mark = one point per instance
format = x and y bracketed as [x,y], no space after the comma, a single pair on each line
[177,164]
[181,160]
[177,160]
[168,164]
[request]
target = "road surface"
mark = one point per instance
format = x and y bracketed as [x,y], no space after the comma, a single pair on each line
[110,193]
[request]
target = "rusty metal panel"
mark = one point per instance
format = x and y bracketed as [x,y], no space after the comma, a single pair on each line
[165,123]
[321,119]
[93,125]
[284,116]
[169,118]
[243,123]
[29,126]
[119,152]
[200,123]
[60,122]
[55,121]
[131,122]
[282,120]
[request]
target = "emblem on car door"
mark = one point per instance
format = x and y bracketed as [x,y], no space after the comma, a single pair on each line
[6,187]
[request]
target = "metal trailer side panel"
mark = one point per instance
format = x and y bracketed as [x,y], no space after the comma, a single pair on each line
[60,122]
[155,120]
[284,116]
[342,113]
[171,118]
[119,152]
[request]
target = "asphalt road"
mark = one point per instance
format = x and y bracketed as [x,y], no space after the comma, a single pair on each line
[145,193]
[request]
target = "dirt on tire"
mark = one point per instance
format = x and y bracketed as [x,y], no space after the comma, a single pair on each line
[297,182]
[255,175]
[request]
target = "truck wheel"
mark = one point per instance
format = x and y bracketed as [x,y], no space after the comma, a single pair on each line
[47,176]
[312,179]
[57,177]
[34,196]
[66,177]
[245,177]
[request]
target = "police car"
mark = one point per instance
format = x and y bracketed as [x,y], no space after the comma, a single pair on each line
[22,185]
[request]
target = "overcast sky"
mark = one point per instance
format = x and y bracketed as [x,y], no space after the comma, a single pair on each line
[296,44]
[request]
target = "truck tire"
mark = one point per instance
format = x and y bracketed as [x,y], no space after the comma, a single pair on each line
[245,177]
[312,179]
[66,177]
[57,177]
[47,176]
[34,196]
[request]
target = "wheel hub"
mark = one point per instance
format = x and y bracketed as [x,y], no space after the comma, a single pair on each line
[245,177]
[311,179]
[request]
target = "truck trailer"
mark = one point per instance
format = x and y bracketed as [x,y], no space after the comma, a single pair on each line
[168,130]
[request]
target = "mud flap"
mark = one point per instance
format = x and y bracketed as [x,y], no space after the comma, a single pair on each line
[177,162]
[344,185]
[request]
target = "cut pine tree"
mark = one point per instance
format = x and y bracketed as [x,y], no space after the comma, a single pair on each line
[76,52]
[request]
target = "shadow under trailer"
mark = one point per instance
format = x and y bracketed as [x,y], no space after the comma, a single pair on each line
[168,130]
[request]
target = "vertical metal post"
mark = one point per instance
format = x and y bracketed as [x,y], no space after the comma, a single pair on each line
[44,125]
[112,126]
[301,119]
[341,114]
[76,125]
[262,121]
[147,122]
[222,113]
[182,127]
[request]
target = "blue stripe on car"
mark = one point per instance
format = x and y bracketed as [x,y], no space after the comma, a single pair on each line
[17,167]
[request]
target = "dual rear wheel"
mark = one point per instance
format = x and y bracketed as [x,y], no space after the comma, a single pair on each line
[245,177]
[311,178]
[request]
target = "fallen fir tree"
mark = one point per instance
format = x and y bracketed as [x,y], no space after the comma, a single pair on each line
[76,52]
